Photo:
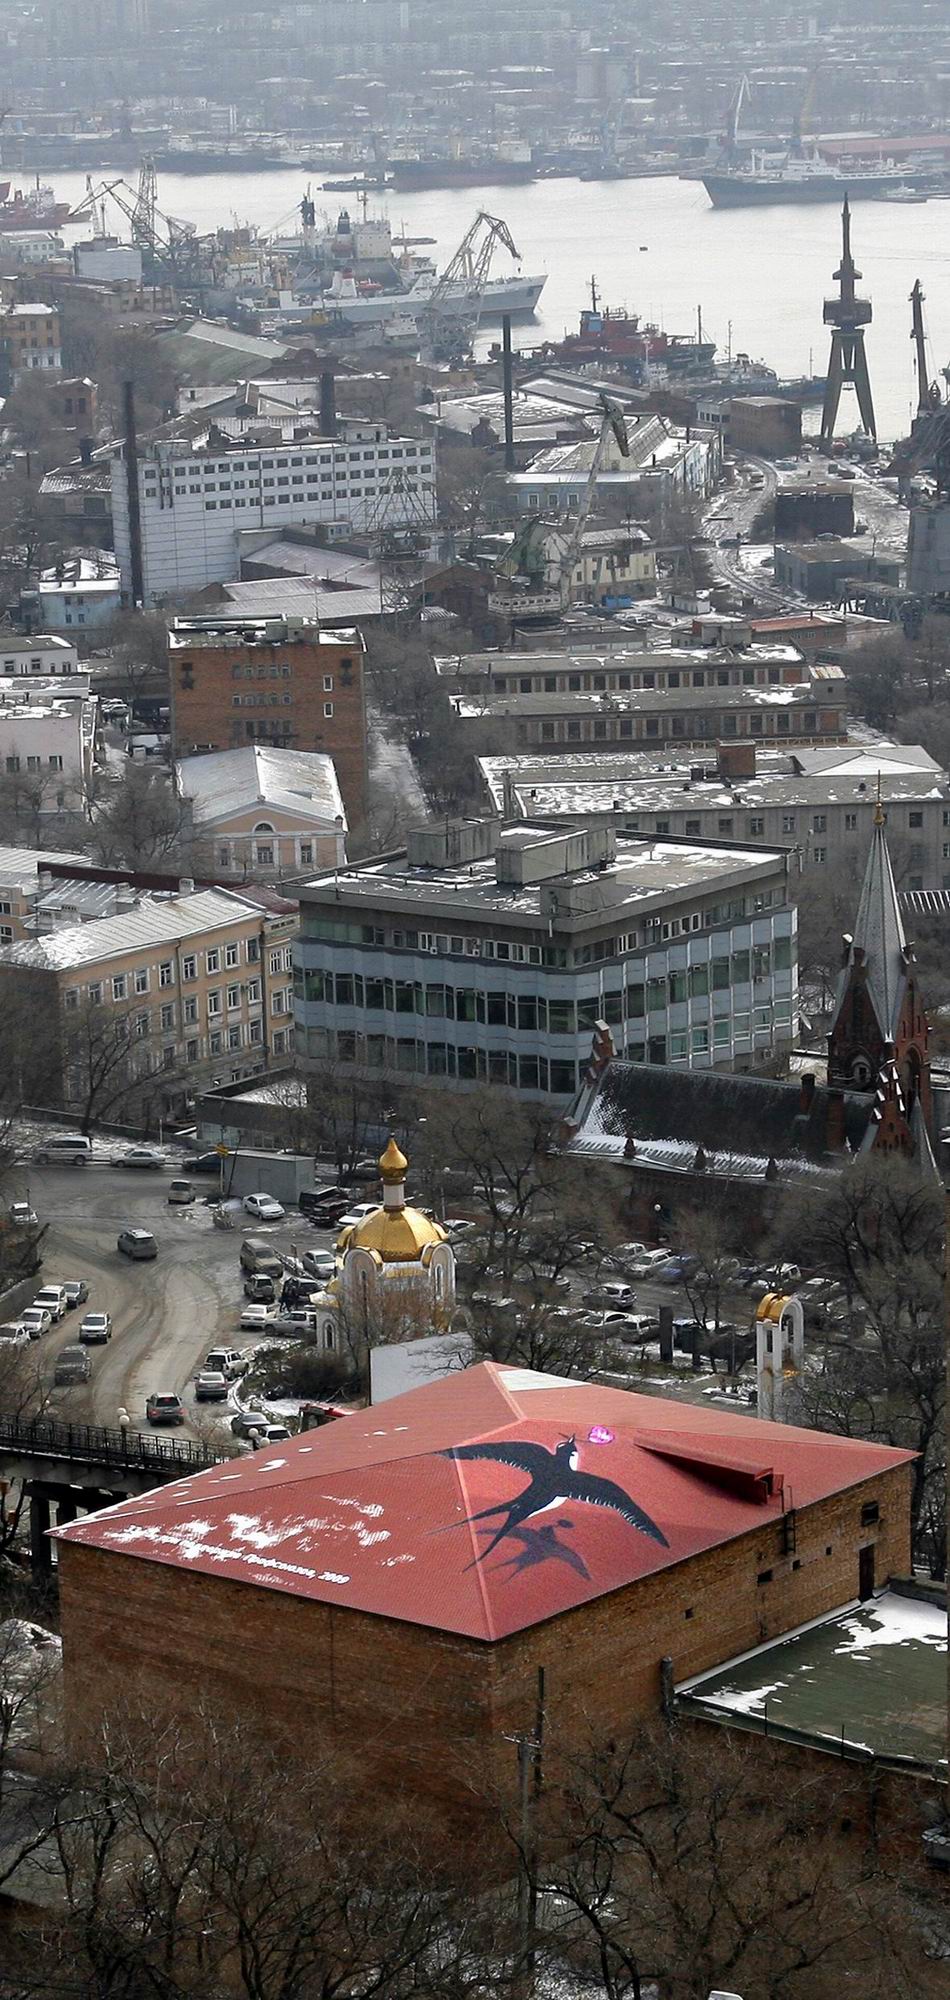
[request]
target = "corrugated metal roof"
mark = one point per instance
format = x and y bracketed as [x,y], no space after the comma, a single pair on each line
[289,781]
[153,921]
[485,1503]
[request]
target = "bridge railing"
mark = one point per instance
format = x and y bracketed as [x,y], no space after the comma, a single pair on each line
[91,1444]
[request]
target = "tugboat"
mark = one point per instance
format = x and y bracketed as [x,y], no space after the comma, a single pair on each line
[38,209]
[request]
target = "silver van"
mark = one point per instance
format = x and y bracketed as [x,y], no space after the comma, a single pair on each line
[73,1151]
[139,1243]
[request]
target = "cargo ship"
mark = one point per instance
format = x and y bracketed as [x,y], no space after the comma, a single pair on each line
[444,171]
[788,179]
[621,338]
[37,209]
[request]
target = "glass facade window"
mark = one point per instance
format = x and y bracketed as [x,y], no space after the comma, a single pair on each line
[698,980]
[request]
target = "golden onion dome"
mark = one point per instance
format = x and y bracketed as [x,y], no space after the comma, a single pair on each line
[393,1165]
[399,1235]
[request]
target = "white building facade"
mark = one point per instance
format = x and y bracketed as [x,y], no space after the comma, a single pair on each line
[197,497]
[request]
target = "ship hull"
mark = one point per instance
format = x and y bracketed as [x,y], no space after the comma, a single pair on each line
[514,295]
[21,216]
[741,191]
[407,175]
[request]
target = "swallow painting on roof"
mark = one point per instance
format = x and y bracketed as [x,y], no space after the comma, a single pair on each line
[554,1480]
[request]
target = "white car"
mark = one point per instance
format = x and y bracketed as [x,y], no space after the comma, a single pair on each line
[358,1214]
[650,1261]
[23,1215]
[36,1321]
[53,1299]
[255,1318]
[264,1207]
[13,1336]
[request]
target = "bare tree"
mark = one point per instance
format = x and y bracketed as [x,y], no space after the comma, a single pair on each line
[139,822]
[690,1862]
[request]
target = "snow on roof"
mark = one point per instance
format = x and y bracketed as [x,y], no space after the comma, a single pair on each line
[21,866]
[154,921]
[427,1509]
[301,782]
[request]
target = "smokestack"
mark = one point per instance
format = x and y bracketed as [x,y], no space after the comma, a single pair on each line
[327,404]
[508,387]
[132,483]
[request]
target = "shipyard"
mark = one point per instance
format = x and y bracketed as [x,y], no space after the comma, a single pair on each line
[474,927]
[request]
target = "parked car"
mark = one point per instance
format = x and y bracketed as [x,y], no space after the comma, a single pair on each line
[676,1269]
[624,1254]
[138,1156]
[263,1207]
[211,1386]
[53,1300]
[323,1204]
[458,1225]
[76,1290]
[613,1292]
[321,1264]
[362,1170]
[137,1243]
[22,1215]
[74,1151]
[300,1291]
[13,1335]
[256,1318]
[72,1366]
[204,1163]
[229,1360]
[358,1213]
[95,1328]
[302,1319]
[647,1265]
[247,1421]
[260,1288]
[164,1407]
[37,1320]
[180,1193]
[257,1255]
[271,1434]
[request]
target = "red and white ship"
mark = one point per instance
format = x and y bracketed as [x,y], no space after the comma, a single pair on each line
[36,209]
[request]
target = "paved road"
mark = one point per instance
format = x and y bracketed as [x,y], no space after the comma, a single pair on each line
[166,1314]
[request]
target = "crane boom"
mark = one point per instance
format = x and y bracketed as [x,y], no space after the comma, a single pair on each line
[440,322]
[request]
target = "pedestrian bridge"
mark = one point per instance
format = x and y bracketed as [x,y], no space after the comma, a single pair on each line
[75,1467]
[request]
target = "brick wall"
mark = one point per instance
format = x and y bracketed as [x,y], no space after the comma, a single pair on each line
[429,1712]
[204,715]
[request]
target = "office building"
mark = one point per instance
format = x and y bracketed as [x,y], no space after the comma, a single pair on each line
[487,953]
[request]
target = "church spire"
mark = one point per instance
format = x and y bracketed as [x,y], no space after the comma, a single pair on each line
[879,943]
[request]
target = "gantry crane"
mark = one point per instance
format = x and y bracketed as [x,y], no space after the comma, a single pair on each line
[448,323]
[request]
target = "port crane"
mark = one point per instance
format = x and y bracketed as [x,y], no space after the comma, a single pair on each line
[172,244]
[447,333]
[536,573]
[927,449]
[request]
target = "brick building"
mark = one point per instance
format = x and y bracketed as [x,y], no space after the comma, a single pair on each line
[280,681]
[30,338]
[321,1594]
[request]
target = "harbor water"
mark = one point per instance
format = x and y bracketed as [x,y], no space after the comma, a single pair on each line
[658,248]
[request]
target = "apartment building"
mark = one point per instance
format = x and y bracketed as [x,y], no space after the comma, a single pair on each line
[486,953]
[40,653]
[280,681]
[265,813]
[818,803]
[198,495]
[167,996]
[30,338]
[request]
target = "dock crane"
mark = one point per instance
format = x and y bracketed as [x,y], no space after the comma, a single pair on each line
[447,326]
[536,573]
[927,449]
[173,245]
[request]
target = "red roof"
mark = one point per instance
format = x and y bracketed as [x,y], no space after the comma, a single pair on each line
[486,1502]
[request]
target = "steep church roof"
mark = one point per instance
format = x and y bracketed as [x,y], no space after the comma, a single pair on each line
[879,941]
